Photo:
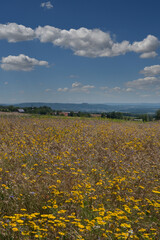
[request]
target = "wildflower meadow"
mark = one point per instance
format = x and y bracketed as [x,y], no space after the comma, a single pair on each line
[68,178]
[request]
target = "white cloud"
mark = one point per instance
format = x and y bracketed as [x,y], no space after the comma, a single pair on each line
[96,43]
[78,87]
[143,83]
[149,44]
[87,87]
[151,70]
[117,89]
[15,33]
[148,55]
[48,90]
[63,89]
[83,42]
[129,89]
[20,63]
[47,5]
[5,83]
[76,84]
[104,88]
[151,80]
[111,90]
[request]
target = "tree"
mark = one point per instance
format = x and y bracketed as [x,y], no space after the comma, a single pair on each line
[12,108]
[103,115]
[71,114]
[157,117]
[144,117]
[115,115]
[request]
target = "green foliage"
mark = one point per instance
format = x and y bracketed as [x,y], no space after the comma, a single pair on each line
[79,114]
[113,115]
[44,110]
[157,115]
[128,116]
[8,108]
[103,115]
[146,117]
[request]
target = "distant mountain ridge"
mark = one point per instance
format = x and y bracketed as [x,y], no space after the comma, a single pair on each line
[97,108]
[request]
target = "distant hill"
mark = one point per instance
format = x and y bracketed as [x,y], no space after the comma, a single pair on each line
[142,108]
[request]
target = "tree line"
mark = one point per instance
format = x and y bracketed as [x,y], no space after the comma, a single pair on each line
[131,116]
[44,110]
[34,110]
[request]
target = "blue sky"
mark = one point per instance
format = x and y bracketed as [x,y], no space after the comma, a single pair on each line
[104,51]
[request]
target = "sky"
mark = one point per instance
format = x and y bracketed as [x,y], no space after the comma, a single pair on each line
[72,51]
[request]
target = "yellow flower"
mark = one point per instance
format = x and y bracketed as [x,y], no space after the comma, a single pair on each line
[20,221]
[127,209]
[61,211]
[37,236]
[142,230]
[23,209]
[155,191]
[125,225]
[44,207]
[25,233]
[88,228]
[104,235]
[15,229]
[55,206]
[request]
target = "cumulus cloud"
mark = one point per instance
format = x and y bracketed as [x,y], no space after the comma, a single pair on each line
[148,55]
[77,87]
[148,45]
[20,63]
[63,89]
[143,83]
[151,70]
[104,88]
[47,5]
[117,89]
[87,87]
[96,43]
[76,84]
[83,42]
[48,90]
[151,79]
[16,33]
[111,90]
[129,89]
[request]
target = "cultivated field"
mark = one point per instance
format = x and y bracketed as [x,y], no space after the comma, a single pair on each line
[79,179]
